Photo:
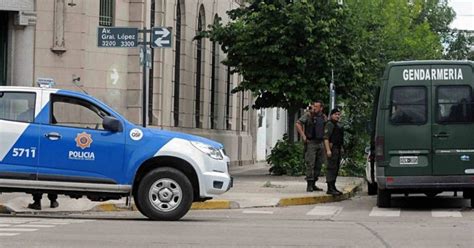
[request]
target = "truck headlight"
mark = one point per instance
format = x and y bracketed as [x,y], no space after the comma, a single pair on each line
[207,149]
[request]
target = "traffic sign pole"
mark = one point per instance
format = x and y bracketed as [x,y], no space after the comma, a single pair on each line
[145,69]
[126,37]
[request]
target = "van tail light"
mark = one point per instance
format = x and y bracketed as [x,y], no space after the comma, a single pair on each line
[379,148]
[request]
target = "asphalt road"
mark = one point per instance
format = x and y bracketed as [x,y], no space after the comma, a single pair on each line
[412,222]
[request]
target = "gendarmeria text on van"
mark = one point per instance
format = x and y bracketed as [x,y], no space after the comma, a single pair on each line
[432,74]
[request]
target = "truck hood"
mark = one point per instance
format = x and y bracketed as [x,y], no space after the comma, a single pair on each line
[185,136]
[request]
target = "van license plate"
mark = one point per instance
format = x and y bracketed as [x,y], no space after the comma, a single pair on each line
[408,160]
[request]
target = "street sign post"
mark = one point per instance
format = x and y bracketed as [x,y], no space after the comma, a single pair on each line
[125,37]
[121,37]
[161,37]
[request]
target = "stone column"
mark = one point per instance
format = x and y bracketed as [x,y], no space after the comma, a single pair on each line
[59,45]
[23,49]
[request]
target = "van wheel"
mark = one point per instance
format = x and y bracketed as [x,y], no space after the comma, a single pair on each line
[372,188]
[164,194]
[383,198]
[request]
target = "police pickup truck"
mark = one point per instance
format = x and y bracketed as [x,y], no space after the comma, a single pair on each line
[65,142]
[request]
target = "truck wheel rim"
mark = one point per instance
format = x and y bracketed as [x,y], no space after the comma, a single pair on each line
[165,195]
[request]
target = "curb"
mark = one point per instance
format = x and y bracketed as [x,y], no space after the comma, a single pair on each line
[349,191]
[215,204]
[211,204]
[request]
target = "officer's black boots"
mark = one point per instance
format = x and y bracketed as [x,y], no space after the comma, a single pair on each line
[332,189]
[334,184]
[316,188]
[54,204]
[309,186]
[35,205]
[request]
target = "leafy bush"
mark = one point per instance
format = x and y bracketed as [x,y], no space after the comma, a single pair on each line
[287,158]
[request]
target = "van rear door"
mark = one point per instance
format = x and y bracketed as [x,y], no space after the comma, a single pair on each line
[453,124]
[407,123]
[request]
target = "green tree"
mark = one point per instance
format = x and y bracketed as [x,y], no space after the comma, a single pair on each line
[389,30]
[285,50]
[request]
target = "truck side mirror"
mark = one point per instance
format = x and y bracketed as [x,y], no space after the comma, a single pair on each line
[111,123]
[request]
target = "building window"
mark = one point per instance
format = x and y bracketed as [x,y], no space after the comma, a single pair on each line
[214,79]
[199,74]
[3,47]
[177,64]
[228,100]
[106,13]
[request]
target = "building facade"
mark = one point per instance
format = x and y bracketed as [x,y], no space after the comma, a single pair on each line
[188,88]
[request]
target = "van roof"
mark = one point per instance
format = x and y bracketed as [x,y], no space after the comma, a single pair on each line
[430,62]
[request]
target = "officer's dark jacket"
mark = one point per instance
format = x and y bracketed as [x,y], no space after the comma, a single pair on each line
[313,126]
[334,133]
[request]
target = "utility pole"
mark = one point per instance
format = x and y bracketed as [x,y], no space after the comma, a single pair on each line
[332,92]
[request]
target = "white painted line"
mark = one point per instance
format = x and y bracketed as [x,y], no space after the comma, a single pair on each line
[385,212]
[257,212]
[8,234]
[12,221]
[441,214]
[325,210]
[34,226]
[17,230]
[49,223]
[5,225]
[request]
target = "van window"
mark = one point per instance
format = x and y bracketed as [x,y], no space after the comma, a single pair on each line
[408,105]
[454,104]
[17,106]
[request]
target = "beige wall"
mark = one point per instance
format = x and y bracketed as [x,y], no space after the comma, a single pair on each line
[75,30]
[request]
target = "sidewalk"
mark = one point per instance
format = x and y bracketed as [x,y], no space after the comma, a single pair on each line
[253,187]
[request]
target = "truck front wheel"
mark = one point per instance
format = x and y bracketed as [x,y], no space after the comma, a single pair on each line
[164,194]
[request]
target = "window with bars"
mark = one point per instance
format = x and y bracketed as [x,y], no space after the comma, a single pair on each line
[177,65]
[228,104]
[199,74]
[106,13]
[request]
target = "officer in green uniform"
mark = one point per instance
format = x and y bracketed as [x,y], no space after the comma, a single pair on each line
[333,141]
[311,129]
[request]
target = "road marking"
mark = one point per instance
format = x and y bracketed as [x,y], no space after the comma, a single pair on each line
[48,223]
[8,234]
[5,225]
[385,212]
[325,210]
[17,230]
[257,212]
[34,225]
[448,213]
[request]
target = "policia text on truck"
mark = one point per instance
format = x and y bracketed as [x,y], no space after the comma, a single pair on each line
[424,129]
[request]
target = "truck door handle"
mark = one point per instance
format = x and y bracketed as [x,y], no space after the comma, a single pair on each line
[441,135]
[53,136]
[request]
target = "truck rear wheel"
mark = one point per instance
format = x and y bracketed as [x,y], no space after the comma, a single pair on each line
[383,198]
[164,194]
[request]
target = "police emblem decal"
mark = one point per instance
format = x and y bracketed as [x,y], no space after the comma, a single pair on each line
[83,140]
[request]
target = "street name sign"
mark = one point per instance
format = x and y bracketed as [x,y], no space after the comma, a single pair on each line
[161,37]
[122,37]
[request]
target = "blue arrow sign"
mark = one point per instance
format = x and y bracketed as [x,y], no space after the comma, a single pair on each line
[161,37]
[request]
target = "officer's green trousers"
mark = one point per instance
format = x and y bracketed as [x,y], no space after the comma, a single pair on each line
[314,157]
